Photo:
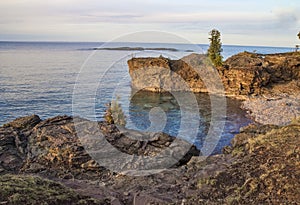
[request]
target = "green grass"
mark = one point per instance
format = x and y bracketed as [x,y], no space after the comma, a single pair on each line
[20,189]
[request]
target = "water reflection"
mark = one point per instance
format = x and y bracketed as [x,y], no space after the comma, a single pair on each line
[161,112]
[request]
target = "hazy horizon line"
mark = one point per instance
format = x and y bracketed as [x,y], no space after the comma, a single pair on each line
[103,42]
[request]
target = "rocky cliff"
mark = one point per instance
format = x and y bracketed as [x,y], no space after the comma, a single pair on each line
[242,74]
[251,73]
[159,75]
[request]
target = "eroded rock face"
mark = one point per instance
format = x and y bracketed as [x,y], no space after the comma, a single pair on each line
[13,143]
[242,74]
[161,74]
[250,73]
[52,147]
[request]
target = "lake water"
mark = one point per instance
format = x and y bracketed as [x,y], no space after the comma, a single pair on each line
[42,78]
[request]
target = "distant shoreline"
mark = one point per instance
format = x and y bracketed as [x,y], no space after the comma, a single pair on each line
[102,43]
[140,49]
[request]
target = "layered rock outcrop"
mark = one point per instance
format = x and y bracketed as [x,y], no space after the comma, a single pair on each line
[242,74]
[262,166]
[51,149]
[161,74]
[251,73]
[29,145]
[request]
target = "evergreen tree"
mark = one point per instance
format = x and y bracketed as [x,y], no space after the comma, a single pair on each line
[297,46]
[215,48]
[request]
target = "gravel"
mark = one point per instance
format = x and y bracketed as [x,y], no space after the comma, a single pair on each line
[279,110]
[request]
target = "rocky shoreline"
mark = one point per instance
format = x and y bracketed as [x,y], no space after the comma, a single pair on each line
[244,74]
[43,160]
[269,85]
[273,95]
[275,110]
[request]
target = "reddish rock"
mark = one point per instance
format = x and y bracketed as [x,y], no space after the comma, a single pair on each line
[242,74]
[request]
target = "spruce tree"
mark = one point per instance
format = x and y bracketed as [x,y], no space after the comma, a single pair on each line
[297,46]
[215,48]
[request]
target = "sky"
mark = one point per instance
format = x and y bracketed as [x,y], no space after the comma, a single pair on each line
[255,22]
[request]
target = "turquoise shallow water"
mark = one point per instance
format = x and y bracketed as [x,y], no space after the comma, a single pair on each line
[39,78]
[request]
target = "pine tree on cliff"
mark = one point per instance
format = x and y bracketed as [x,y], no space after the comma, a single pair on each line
[297,46]
[215,48]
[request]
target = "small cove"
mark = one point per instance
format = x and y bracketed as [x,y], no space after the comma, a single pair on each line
[143,102]
[39,78]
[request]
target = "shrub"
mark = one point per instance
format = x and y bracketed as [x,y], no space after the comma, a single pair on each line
[114,113]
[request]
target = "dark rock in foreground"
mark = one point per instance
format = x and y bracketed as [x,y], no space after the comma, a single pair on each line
[52,146]
[262,167]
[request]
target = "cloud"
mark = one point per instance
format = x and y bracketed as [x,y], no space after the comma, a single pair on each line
[287,17]
[93,18]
